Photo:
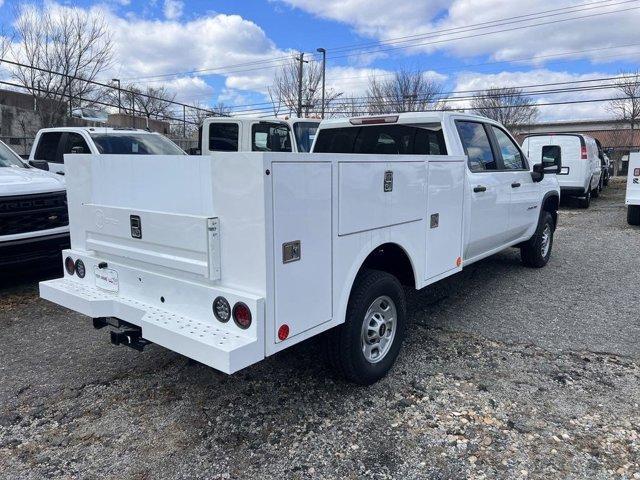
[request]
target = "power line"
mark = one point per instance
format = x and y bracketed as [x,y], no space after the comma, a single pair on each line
[443,95]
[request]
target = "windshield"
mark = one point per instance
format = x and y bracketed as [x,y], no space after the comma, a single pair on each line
[135,144]
[8,158]
[305,133]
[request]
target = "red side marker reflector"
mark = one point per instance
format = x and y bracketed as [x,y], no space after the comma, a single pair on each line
[283,332]
[458,261]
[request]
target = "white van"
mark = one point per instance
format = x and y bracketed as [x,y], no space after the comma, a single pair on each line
[253,134]
[581,171]
[51,144]
[632,199]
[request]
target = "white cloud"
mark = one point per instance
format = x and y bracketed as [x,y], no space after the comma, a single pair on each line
[597,110]
[378,20]
[353,81]
[173,9]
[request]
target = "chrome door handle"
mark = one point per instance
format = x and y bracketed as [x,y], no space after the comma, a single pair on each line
[480,188]
[515,185]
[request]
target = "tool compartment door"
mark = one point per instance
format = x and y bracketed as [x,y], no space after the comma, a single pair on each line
[445,195]
[302,245]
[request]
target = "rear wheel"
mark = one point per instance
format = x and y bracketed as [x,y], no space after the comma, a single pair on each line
[585,202]
[633,214]
[364,348]
[537,251]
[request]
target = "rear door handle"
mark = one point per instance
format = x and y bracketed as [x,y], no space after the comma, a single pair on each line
[515,185]
[480,188]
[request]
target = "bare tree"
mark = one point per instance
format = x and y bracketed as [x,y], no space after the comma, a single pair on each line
[5,41]
[67,51]
[506,105]
[148,102]
[407,91]
[626,107]
[284,91]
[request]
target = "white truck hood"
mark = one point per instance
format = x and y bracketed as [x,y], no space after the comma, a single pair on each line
[25,181]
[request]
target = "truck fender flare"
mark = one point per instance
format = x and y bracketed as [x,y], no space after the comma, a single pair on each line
[364,253]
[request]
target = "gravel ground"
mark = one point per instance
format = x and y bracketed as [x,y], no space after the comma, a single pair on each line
[506,373]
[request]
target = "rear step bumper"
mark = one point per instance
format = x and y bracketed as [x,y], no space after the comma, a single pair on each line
[203,342]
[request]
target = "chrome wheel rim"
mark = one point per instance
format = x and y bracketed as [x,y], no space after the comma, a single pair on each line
[546,240]
[379,329]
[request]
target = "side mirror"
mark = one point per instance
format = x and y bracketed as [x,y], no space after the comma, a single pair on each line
[538,172]
[39,164]
[77,149]
[552,164]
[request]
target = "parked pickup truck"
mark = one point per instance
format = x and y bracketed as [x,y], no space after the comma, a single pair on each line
[52,144]
[244,134]
[254,252]
[632,199]
[34,225]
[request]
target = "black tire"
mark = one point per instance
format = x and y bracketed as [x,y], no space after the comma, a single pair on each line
[595,193]
[345,344]
[633,214]
[606,179]
[585,202]
[532,252]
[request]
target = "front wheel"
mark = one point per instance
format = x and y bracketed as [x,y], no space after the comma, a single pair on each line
[365,347]
[633,214]
[536,252]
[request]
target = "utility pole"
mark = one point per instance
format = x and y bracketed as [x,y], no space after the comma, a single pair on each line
[117,80]
[301,60]
[324,70]
[184,121]
[133,109]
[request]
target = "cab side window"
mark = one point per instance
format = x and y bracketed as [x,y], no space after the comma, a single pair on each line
[512,158]
[223,137]
[48,147]
[477,146]
[75,144]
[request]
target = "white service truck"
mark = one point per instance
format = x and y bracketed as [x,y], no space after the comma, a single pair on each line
[34,225]
[253,134]
[52,144]
[233,257]
[632,199]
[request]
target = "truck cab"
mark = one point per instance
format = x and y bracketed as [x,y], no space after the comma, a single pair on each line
[503,198]
[227,134]
[52,144]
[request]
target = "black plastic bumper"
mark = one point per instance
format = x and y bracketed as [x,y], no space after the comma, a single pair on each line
[35,249]
[572,191]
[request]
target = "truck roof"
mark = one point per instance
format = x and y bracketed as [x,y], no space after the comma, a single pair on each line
[289,121]
[406,117]
[114,130]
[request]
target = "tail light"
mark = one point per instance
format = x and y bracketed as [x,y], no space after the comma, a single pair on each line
[242,315]
[221,309]
[70,265]
[583,152]
[80,270]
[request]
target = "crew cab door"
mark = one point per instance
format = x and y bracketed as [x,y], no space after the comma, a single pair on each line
[524,202]
[49,149]
[489,191]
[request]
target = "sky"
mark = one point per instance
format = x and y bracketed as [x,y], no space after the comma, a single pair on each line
[229,50]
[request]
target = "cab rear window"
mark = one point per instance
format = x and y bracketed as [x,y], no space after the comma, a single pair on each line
[383,140]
